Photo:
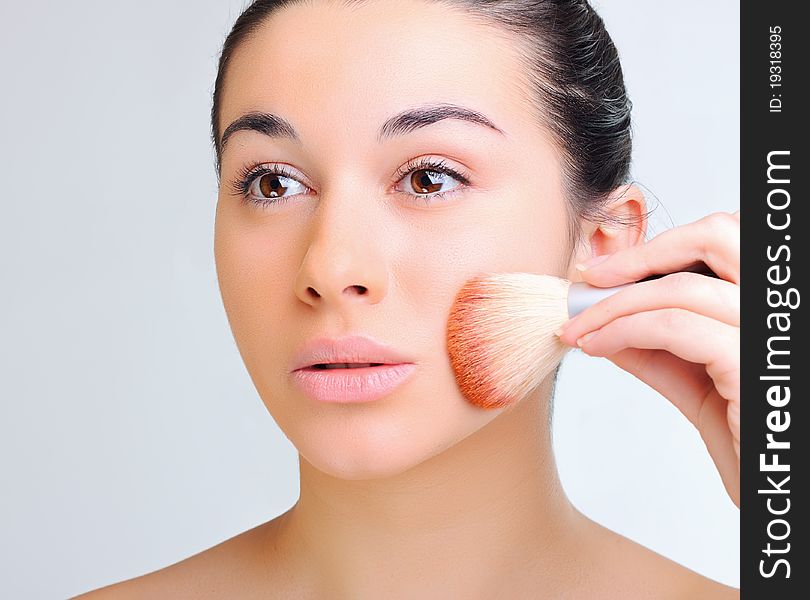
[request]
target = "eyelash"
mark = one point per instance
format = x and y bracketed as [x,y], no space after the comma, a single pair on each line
[248,174]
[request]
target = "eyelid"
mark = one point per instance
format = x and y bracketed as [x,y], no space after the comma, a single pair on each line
[431,163]
[283,169]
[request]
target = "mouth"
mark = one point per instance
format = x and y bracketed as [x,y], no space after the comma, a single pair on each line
[353,368]
[326,366]
[351,382]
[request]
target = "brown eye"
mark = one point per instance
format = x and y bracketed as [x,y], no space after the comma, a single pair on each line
[424,181]
[430,179]
[270,186]
[274,185]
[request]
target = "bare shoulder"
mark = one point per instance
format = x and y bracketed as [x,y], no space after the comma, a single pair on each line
[228,569]
[647,574]
[708,588]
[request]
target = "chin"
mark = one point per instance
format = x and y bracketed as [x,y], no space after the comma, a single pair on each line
[351,464]
[365,445]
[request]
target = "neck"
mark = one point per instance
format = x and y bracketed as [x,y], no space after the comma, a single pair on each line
[466,518]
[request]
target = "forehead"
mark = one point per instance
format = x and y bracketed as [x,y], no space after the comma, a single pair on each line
[323,63]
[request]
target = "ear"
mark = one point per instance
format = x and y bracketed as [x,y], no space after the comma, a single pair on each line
[627,204]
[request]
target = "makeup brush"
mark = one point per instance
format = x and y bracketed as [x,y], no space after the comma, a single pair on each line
[501,330]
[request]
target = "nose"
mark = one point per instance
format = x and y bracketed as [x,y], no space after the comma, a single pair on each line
[345,259]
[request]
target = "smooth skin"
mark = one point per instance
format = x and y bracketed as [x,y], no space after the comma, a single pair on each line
[419,494]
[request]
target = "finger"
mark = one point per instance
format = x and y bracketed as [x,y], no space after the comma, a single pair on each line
[714,240]
[693,393]
[684,383]
[713,298]
[721,443]
[690,336]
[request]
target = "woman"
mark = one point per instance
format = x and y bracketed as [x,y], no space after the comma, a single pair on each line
[373,156]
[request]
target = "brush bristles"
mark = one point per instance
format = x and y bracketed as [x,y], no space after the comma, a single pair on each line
[501,335]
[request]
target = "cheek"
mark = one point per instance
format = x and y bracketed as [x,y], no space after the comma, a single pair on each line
[503,233]
[254,270]
[530,233]
[513,230]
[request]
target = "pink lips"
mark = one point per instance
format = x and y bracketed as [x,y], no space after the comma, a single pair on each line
[356,384]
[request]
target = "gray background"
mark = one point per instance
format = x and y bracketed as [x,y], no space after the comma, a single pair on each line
[130,434]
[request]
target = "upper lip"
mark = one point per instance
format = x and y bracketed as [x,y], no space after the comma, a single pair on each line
[348,349]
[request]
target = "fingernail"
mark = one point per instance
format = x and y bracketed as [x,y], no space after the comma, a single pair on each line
[564,326]
[585,339]
[592,262]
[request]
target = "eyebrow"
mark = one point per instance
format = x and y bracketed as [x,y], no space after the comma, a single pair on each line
[402,123]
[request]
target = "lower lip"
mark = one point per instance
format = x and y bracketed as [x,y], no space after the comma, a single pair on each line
[363,384]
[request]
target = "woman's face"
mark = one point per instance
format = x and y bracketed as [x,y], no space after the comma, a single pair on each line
[346,217]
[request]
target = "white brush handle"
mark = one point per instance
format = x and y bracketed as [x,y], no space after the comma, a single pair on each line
[581,295]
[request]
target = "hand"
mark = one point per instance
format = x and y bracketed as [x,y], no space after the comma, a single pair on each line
[680,334]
